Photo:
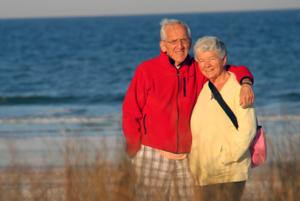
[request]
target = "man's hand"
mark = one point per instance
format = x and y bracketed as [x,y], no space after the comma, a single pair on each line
[246,95]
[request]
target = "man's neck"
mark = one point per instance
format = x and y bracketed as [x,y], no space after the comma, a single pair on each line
[172,62]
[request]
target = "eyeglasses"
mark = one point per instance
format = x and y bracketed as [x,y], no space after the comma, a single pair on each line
[175,42]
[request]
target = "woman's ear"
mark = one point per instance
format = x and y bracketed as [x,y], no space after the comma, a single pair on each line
[224,60]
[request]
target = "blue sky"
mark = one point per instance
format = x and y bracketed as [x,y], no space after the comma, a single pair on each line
[68,8]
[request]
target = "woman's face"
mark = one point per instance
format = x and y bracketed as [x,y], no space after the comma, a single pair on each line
[211,65]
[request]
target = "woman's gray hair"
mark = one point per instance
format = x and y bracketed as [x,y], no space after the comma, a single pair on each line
[172,22]
[208,44]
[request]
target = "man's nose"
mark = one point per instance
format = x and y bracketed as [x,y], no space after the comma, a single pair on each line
[179,43]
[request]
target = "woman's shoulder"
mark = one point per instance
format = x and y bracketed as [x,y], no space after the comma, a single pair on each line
[205,87]
[232,81]
[232,88]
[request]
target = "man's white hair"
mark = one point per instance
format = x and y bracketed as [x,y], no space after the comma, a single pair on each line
[208,44]
[172,22]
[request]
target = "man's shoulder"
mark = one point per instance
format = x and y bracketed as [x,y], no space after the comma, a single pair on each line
[151,63]
[192,60]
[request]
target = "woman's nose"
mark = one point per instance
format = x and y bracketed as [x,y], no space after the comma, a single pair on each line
[206,64]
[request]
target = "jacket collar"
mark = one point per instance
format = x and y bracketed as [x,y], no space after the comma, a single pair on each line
[171,61]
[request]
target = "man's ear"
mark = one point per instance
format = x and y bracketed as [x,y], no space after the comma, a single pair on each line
[162,46]
[190,43]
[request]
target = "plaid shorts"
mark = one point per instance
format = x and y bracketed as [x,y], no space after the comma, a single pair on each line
[160,178]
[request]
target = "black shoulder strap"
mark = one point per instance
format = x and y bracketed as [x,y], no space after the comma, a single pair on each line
[223,104]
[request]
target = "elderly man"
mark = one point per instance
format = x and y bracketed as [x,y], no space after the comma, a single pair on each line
[156,115]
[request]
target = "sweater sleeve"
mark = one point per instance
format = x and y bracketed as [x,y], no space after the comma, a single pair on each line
[241,140]
[133,104]
[240,72]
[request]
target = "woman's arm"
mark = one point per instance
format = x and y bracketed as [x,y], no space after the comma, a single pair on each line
[241,140]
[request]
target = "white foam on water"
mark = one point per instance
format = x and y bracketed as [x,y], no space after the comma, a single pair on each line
[45,151]
[59,120]
[114,118]
[279,118]
[60,126]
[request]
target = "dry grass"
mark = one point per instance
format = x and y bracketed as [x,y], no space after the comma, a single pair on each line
[279,179]
[88,174]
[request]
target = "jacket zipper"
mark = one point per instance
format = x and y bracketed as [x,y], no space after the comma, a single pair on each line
[144,125]
[184,93]
[177,111]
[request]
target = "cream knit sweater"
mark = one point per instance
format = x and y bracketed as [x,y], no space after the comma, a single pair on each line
[219,152]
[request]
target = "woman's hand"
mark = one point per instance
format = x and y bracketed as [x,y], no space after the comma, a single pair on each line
[225,157]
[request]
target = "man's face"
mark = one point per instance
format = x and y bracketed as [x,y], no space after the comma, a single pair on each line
[180,49]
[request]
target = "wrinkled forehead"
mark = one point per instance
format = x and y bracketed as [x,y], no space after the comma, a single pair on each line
[176,29]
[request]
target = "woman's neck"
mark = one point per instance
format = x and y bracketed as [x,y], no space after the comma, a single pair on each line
[220,81]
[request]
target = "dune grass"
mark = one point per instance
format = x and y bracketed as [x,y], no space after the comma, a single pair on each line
[89,173]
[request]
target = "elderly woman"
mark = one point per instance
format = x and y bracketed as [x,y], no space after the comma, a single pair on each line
[220,159]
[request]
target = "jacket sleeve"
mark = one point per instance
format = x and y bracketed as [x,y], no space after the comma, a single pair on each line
[240,72]
[241,140]
[133,104]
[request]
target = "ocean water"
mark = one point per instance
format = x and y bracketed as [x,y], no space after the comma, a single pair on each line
[73,73]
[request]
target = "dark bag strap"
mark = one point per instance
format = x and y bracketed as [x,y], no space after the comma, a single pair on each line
[223,104]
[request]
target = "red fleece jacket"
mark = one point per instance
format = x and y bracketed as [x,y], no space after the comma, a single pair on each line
[159,102]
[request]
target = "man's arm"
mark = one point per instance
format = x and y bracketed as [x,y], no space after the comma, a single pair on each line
[246,94]
[134,101]
[245,78]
